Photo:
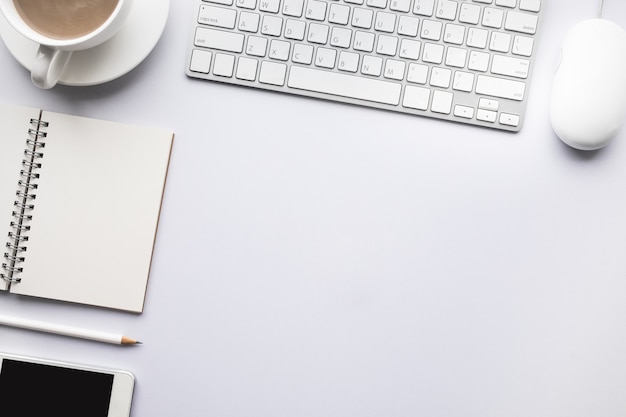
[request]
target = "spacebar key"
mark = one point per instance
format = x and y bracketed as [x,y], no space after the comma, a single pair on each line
[344,85]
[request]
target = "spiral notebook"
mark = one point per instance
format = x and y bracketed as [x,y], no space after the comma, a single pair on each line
[80,199]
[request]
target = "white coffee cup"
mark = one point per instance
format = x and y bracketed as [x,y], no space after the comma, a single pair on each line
[61,27]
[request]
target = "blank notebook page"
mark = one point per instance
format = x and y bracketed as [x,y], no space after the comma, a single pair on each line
[96,212]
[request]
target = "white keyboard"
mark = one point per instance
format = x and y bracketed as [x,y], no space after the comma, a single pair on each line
[467,61]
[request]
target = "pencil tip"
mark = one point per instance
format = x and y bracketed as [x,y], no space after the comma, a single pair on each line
[129,341]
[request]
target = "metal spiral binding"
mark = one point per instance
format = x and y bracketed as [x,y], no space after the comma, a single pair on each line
[23,205]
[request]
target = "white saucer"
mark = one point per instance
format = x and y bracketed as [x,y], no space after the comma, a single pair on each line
[110,60]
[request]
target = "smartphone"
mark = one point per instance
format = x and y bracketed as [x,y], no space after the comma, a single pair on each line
[33,387]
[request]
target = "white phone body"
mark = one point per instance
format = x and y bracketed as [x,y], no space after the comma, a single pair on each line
[27,383]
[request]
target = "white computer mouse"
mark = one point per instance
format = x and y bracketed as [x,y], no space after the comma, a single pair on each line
[588,103]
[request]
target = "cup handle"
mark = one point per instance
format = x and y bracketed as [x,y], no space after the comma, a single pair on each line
[48,66]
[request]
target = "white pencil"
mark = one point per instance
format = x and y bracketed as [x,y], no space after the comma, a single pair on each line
[66,330]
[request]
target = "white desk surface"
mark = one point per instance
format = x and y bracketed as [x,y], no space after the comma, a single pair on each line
[374,264]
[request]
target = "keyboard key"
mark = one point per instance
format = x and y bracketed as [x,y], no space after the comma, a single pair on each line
[446,9]
[442,102]
[454,34]
[385,22]
[200,61]
[492,18]
[246,4]
[408,26]
[463,111]
[272,25]
[433,53]
[271,6]
[417,73]
[456,57]
[341,37]
[400,5]
[294,29]
[486,115]
[506,3]
[256,46]
[500,87]
[224,65]
[272,73]
[478,61]
[318,33]
[316,10]
[488,104]
[431,30]
[523,45]
[416,97]
[248,22]
[470,13]
[387,45]
[410,49]
[325,58]
[364,41]
[463,81]
[372,65]
[509,119]
[293,7]
[279,50]
[500,42]
[424,7]
[362,18]
[339,14]
[394,69]
[217,16]
[246,69]
[530,5]
[477,38]
[513,67]
[348,61]
[381,4]
[521,22]
[218,39]
[440,77]
[344,85]
[302,54]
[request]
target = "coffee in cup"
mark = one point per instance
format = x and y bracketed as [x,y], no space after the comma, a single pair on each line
[65,19]
[61,27]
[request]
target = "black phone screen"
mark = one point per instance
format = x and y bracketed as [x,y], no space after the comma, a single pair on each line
[33,390]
